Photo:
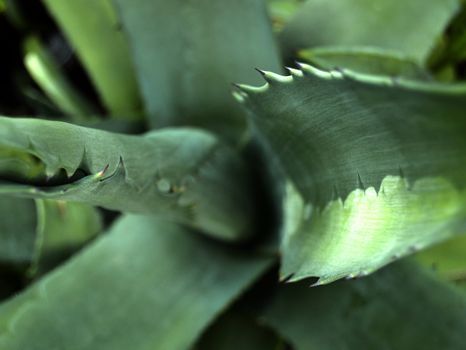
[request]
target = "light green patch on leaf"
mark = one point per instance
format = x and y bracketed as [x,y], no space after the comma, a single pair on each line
[369,229]
[147,284]
[410,27]
[369,60]
[47,74]
[187,54]
[401,307]
[64,227]
[184,175]
[378,166]
[93,30]
[18,222]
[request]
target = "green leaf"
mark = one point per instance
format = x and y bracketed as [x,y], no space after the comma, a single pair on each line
[185,175]
[402,307]
[64,227]
[93,30]
[147,284]
[364,59]
[18,222]
[47,74]
[410,27]
[188,53]
[376,166]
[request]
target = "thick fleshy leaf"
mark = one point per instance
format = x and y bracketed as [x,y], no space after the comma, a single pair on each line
[402,307]
[146,285]
[368,60]
[64,227]
[47,74]
[18,222]
[377,166]
[185,175]
[410,27]
[188,53]
[93,30]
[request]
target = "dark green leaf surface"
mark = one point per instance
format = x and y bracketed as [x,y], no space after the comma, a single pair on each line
[93,30]
[18,222]
[367,60]
[401,307]
[377,166]
[187,53]
[410,27]
[147,285]
[185,175]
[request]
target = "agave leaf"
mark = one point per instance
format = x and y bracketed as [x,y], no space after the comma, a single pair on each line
[376,166]
[369,60]
[18,222]
[407,26]
[185,175]
[402,307]
[93,30]
[63,228]
[147,284]
[47,74]
[188,53]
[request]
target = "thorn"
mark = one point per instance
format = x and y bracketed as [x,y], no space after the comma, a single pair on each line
[360,183]
[272,77]
[336,193]
[294,72]
[102,172]
[402,175]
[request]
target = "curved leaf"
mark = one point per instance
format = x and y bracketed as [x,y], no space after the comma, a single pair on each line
[184,175]
[147,284]
[188,53]
[402,307]
[93,30]
[377,166]
[410,27]
[364,59]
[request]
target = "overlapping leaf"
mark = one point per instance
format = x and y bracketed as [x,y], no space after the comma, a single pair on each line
[184,175]
[146,285]
[93,30]
[364,60]
[410,27]
[187,53]
[401,307]
[377,166]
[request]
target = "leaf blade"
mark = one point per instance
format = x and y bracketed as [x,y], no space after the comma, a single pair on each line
[347,139]
[166,309]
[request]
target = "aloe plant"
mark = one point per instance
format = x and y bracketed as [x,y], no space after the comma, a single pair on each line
[160,193]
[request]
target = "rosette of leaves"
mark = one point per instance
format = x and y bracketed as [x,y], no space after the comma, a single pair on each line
[148,203]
